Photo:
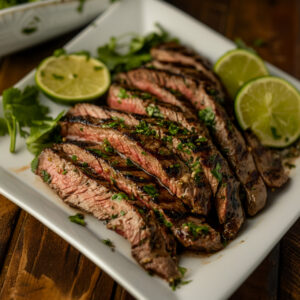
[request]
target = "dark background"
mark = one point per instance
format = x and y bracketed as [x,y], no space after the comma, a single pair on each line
[37,264]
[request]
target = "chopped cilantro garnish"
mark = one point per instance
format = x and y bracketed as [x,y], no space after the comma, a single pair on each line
[290,166]
[162,219]
[119,197]
[117,122]
[201,139]
[182,270]
[98,68]
[216,172]
[46,176]
[78,219]
[129,163]
[207,116]
[109,243]
[29,30]
[107,146]
[74,157]
[173,129]
[151,190]
[275,134]
[153,111]
[58,77]
[145,129]
[195,229]
[99,153]
[178,283]
[123,94]
[80,6]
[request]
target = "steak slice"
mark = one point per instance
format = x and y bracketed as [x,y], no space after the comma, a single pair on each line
[222,129]
[179,69]
[148,152]
[138,185]
[200,157]
[96,197]
[268,162]
[175,53]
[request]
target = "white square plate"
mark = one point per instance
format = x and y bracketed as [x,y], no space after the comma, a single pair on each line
[214,277]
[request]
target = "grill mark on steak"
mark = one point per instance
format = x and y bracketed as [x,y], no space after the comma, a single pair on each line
[224,132]
[132,180]
[149,153]
[226,192]
[96,197]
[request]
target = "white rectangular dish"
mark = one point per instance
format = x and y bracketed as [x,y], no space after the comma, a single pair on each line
[213,277]
[25,25]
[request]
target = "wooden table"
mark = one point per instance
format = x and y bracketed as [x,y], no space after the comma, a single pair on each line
[37,264]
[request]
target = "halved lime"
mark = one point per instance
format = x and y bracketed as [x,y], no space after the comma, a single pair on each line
[238,66]
[270,106]
[72,78]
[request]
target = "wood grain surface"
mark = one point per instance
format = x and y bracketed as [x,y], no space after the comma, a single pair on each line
[37,264]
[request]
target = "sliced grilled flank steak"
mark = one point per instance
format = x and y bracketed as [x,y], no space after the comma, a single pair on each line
[272,172]
[214,115]
[150,153]
[197,151]
[268,162]
[175,53]
[97,197]
[138,185]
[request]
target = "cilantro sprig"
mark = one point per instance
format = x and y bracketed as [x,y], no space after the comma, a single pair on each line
[122,56]
[23,111]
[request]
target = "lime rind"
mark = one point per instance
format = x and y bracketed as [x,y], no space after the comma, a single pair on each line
[279,125]
[90,86]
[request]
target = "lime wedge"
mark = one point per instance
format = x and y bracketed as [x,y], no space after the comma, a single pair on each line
[72,78]
[237,67]
[270,106]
